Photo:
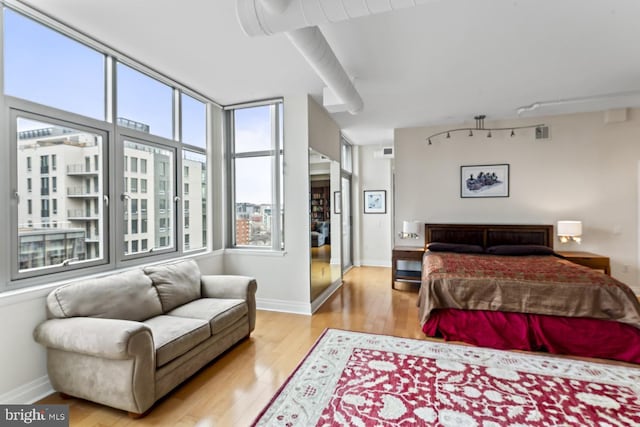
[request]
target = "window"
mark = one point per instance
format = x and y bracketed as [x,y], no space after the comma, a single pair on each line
[57,102]
[44,164]
[257,197]
[346,156]
[155,209]
[195,197]
[194,121]
[44,186]
[38,250]
[144,103]
[44,208]
[57,71]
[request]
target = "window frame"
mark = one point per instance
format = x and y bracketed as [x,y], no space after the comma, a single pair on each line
[277,176]
[29,110]
[112,226]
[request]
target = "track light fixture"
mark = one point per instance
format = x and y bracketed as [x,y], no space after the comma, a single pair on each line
[480,127]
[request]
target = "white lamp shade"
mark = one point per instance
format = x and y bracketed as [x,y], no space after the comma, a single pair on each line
[410,227]
[570,228]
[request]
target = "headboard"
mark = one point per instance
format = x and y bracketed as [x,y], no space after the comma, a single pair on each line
[489,235]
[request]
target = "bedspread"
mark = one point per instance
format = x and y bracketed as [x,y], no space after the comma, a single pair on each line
[523,284]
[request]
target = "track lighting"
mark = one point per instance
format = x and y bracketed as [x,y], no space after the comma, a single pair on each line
[480,126]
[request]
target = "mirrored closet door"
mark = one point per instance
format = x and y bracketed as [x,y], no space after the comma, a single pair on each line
[325,222]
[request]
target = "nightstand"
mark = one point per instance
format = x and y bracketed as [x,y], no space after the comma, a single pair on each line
[406,253]
[588,259]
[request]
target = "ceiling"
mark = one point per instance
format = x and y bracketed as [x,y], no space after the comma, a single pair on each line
[438,63]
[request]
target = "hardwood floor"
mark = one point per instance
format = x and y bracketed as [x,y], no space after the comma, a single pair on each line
[232,390]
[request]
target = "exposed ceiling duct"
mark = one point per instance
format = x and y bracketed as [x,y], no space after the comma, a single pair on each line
[266,17]
[314,47]
[299,20]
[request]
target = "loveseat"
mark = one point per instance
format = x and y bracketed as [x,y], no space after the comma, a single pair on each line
[320,233]
[126,339]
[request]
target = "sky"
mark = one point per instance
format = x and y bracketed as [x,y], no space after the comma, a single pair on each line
[46,67]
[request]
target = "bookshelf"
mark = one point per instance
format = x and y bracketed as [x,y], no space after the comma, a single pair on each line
[320,208]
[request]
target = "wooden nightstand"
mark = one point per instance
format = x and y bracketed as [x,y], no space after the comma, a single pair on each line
[588,259]
[406,253]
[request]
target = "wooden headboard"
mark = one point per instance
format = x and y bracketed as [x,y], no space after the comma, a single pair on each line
[489,235]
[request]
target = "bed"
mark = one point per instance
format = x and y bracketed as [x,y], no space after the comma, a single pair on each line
[522,296]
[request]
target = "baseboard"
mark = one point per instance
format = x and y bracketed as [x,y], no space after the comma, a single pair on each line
[375,263]
[283,306]
[28,393]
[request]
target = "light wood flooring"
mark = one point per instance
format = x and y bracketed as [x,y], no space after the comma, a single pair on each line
[232,390]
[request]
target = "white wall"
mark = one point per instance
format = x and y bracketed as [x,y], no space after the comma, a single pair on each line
[284,279]
[587,171]
[374,234]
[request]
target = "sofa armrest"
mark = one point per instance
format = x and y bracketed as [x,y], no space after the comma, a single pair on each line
[231,286]
[105,338]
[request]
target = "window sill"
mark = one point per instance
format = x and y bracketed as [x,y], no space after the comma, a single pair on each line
[255,252]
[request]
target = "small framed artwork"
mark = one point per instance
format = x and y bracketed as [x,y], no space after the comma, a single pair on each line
[484,181]
[375,201]
[337,202]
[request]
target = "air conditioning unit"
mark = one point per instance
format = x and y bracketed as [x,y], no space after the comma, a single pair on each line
[385,153]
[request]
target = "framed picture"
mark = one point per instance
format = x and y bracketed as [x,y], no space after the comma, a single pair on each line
[337,202]
[484,181]
[375,201]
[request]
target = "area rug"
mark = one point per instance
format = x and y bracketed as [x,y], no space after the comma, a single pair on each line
[356,379]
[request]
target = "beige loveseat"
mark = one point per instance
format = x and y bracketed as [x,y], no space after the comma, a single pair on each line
[127,339]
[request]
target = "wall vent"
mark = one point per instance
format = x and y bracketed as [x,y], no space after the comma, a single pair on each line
[385,153]
[542,132]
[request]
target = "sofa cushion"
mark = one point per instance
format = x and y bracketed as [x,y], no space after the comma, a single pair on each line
[128,296]
[177,283]
[220,313]
[174,336]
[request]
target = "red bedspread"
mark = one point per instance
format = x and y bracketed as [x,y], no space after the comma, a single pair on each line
[534,332]
[529,303]
[523,284]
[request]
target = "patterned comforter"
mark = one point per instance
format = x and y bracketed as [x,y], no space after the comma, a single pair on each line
[523,284]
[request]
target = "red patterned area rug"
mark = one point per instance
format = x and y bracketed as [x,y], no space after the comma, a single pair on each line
[356,379]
